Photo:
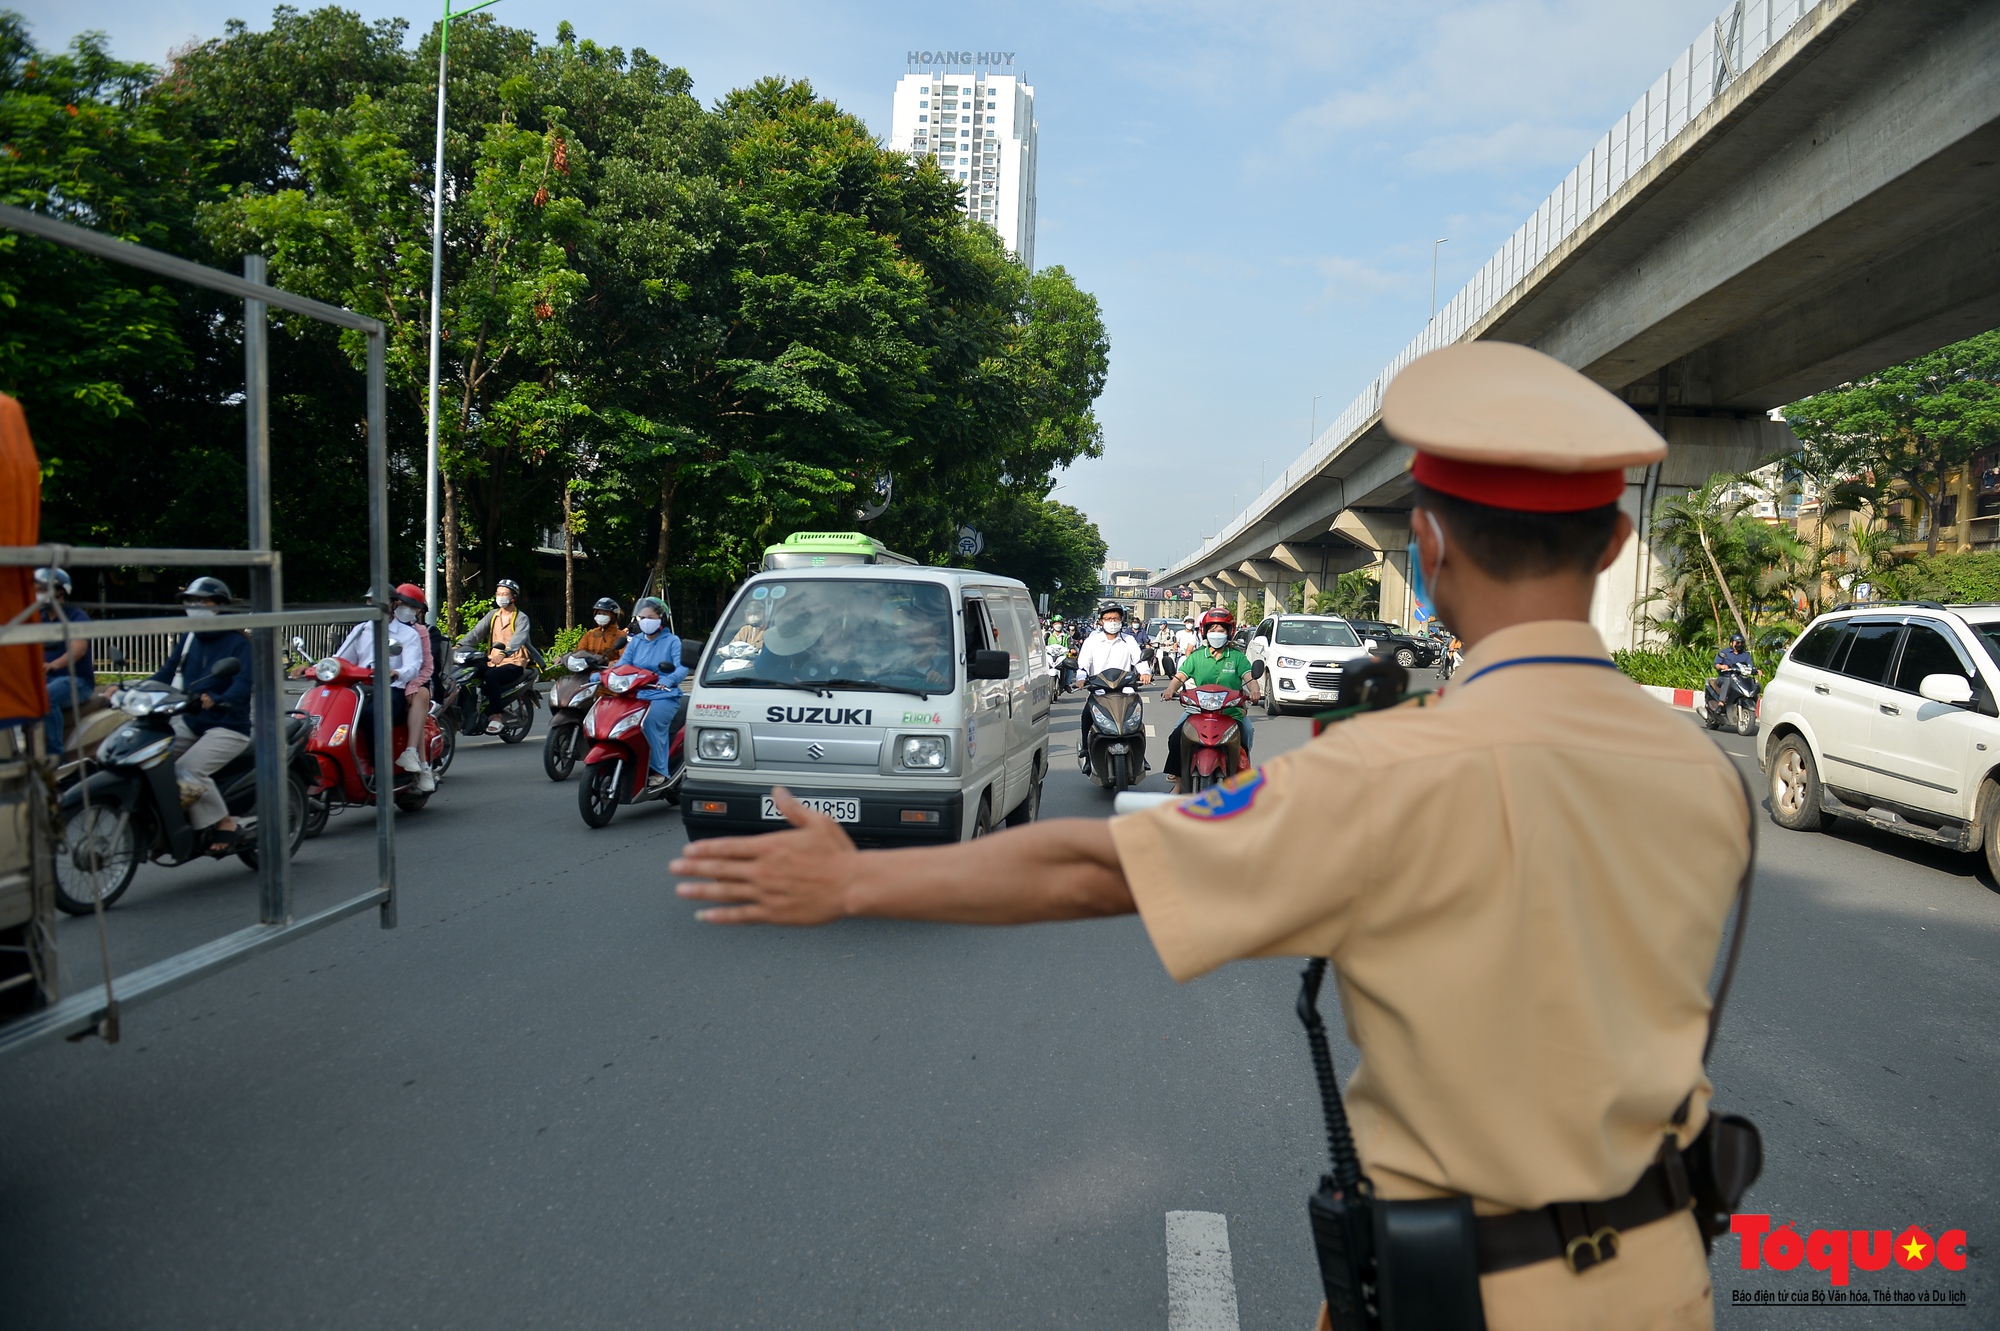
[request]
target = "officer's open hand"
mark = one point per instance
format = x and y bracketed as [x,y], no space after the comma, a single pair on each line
[798,876]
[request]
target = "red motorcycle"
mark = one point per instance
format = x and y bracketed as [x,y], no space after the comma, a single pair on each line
[615,768]
[1213,749]
[332,707]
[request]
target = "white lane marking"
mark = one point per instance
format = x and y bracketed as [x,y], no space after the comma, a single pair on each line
[1201,1282]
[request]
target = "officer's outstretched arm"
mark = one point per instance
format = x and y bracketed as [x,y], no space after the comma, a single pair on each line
[1065,869]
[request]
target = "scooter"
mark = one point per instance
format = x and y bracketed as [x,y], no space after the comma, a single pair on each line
[131,806]
[1731,700]
[516,707]
[344,758]
[569,700]
[616,766]
[1213,746]
[1113,752]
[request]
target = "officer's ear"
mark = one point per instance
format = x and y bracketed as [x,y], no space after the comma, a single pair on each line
[1621,532]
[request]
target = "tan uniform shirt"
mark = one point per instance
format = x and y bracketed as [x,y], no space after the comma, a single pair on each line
[1522,887]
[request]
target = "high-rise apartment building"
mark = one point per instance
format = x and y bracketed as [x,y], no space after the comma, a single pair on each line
[981,128]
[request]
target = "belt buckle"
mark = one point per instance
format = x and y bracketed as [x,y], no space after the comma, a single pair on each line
[1601,1247]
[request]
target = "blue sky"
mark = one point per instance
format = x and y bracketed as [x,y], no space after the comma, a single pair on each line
[1251,191]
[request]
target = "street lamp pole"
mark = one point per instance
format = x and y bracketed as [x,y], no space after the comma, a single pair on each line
[1434,258]
[437,300]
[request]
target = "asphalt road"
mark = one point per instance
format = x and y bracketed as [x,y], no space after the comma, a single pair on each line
[552,1099]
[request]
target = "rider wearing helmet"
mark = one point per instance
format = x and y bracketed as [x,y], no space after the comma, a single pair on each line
[653,646]
[1216,661]
[505,628]
[412,609]
[603,638]
[71,674]
[1111,648]
[1727,660]
[218,724]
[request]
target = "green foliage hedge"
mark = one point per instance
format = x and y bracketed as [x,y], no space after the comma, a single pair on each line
[1682,667]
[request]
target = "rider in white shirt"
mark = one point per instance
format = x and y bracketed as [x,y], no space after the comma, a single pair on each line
[1186,639]
[1112,648]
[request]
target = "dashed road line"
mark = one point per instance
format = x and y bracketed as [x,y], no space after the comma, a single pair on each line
[1201,1281]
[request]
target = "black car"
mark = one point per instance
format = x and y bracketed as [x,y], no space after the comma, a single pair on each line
[1408,650]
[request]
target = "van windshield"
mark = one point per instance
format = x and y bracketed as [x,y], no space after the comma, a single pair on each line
[893,637]
[1315,633]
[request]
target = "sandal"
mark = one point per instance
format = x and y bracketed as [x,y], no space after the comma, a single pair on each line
[222,843]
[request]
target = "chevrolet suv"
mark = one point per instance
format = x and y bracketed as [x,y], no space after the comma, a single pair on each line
[1884,714]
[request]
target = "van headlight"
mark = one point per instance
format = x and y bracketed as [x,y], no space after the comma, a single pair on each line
[715,746]
[921,752]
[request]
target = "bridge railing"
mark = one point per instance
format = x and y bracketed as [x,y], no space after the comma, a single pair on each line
[1697,77]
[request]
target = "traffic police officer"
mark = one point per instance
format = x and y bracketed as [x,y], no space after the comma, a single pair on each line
[1522,885]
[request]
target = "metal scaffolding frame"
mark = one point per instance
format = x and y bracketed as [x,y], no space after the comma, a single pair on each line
[96,1009]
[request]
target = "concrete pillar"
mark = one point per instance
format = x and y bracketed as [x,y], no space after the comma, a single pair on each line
[1396,605]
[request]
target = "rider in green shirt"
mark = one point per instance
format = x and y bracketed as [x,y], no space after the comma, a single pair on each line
[1217,662]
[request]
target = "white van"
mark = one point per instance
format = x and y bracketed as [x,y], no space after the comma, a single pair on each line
[902,700]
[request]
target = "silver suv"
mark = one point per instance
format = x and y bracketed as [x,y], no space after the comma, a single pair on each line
[1885,714]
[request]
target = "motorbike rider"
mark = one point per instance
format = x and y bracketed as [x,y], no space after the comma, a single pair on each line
[1217,662]
[72,676]
[1728,661]
[603,638]
[408,664]
[1111,648]
[1186,640]
[412,609]
[505,627]
[217,728]
[657,648]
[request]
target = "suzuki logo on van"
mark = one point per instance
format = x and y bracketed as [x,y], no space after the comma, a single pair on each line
[822,716]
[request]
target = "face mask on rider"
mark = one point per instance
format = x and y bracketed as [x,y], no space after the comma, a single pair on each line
[503,599]
[603,620]
[1217,639]
[200,611]
[405,615]
[648,625]
[1112,627]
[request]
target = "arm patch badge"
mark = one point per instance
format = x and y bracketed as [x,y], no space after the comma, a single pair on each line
[1232,797]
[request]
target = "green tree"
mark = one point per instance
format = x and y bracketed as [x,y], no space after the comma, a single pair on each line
[1916,421]
[1051,546]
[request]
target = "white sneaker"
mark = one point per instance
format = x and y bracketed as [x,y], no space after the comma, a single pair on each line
[426,781]
[407,760]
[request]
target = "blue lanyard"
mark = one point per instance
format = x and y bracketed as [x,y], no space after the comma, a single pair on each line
[1540,660]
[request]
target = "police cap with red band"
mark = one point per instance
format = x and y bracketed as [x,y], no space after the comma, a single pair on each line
[1501,424]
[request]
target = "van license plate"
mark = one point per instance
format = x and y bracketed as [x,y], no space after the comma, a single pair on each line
[841,811]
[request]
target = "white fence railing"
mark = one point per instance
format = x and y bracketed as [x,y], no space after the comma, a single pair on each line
[1710,63]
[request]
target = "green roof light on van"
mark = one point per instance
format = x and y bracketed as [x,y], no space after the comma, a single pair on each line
[824,549]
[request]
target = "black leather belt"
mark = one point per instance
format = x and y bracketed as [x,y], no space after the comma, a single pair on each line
[1583,1234]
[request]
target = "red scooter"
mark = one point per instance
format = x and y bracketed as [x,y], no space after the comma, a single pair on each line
[332,707]
[615,768]
[1214,745]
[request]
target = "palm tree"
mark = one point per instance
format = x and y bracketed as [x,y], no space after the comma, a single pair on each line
[1689,530]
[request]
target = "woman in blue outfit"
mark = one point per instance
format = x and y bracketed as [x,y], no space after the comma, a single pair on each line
[653,646]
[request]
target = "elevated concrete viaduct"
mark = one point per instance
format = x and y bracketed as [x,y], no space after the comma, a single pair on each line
[1812,192]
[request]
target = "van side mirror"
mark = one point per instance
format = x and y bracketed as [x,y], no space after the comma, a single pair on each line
[1370,643]
[1258,646]
[987,663]
[1946,688]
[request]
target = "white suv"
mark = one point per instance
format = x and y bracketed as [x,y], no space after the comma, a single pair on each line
[1885,714]
[1306,656]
